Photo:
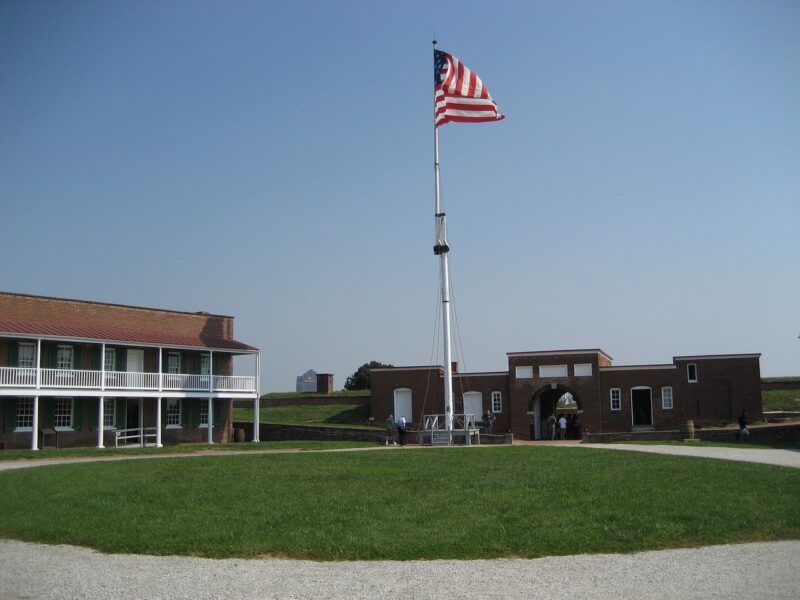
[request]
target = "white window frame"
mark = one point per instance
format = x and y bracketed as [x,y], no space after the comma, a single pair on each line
[203,414]
[174,363]
[110,359]
[63,414]
[615,399]
[26,355]
[525,372]
[24,411]
[689,368]
[497,402]
[553,371]
[173,413]
[109,413]
[667,398]
[583,370]
[65,358]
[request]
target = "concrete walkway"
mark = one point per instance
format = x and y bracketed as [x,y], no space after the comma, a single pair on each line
[767,456]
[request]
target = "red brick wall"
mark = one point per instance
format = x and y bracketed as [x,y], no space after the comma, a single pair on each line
[78,312]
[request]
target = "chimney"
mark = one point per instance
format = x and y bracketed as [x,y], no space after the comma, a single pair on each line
[454,367]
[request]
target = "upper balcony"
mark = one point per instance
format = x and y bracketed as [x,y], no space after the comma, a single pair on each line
[22,377]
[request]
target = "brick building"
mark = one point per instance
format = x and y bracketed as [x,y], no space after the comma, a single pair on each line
[607,398]
[80,373]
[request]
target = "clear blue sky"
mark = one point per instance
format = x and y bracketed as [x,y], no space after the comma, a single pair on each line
[273,161]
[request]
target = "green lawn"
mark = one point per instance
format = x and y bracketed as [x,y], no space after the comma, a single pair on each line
[402,504]
[178,449]
[346,414]
[780,400]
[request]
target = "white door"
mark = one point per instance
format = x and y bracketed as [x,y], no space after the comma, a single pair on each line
[135,362]
[473,405]
[402,405]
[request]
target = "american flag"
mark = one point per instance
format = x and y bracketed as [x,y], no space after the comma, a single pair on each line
[459,93]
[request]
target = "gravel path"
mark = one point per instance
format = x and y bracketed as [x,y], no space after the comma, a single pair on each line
[33,571]
[766,570]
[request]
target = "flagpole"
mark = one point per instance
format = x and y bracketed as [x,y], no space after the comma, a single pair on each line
[441,249]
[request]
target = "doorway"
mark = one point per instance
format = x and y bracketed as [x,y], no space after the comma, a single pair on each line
[402,405]
[642,407]
[132,408]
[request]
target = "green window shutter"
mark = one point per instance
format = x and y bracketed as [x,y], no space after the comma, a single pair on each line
[10,414]
[195,404]
[77,363]
[185,407]
[219,406]
[120,417]
[183,367]
[52,356]
[49,412]
[97,351]
[163,413]
[13,354]
[94,415]
[77,413]
[120,360]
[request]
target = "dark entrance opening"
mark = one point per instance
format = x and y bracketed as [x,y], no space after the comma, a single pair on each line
[132,413]
[642,407]
[545,407]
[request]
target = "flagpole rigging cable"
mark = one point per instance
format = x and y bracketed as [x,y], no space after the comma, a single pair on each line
[441,249]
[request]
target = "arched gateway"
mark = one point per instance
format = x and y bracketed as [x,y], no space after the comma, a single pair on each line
[550,400]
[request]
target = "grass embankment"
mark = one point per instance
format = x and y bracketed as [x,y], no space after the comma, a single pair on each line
[779,400]
[402,504]
[328,415]
[177,449]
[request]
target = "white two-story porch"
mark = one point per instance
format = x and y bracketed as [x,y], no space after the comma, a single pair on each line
[101,385]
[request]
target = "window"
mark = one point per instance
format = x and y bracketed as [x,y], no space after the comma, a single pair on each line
[497,402]
[173,412]
[62,417]
[26,356]
[583,370]
[203,414]
[174,362]
[616,399]
[691,372]
[24,414]
[666,398]
[64,358]
[109,412]
[524,372]
[205,364]
[111,359]
[552,370]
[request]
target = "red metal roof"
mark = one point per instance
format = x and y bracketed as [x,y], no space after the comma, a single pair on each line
[118,334]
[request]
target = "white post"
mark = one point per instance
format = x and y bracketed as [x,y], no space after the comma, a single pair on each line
[210,420]
[160,370]
[35,432]
[100,425]
[441,249]
[211,371]
[158,423]
[103,368]
[256,404]
[38,363]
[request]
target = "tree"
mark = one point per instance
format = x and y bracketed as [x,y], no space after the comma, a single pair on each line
[360,380]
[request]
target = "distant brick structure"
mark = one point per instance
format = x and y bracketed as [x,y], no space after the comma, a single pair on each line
[706,389]
[312,382]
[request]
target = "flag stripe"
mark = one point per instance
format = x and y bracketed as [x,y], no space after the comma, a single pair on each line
[459,93]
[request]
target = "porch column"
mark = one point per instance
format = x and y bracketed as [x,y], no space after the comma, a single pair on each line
[158,423]
[100,420]
[256,407]
[210,420]
[35,432]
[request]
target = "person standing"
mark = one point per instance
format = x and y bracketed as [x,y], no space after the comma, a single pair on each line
[744,430]
[562,425]
[551,426]
[488,419]
[390,430]
[401,430]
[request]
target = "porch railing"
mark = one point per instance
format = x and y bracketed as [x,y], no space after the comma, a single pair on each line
[21,377]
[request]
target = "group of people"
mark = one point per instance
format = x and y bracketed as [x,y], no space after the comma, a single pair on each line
[562,427]
[400,425]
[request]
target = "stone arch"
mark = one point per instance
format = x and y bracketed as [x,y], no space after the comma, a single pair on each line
[544,402]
